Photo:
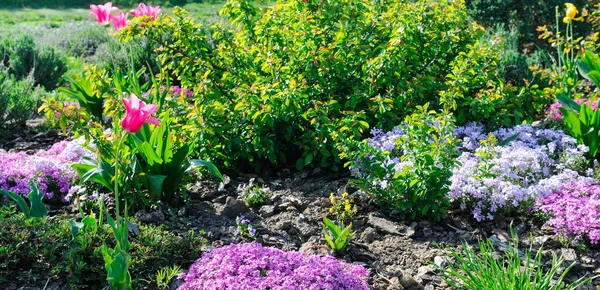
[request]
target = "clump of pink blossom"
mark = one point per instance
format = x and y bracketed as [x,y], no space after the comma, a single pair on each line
[51,168]
[554,113]
[252,266]
[574,211]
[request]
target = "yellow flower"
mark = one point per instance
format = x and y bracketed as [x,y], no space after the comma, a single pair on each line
[572,12]
[345,194]
[348,207]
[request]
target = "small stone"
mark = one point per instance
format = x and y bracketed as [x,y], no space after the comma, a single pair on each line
[439,261]
[587,260]
[569,255]
[429,287]
[395,284]
[266,211]
[427,232]
[369,235]
[133,228]
[547,229]
[538,241]
[408,231]
[408,282]
[234,207]
[312,248]
[383,224]
[428,269]
[424,272]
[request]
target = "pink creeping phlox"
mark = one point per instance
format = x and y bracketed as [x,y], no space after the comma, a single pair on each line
[146,10]
[102,12]
[119,21]
[138,113]
[554,113]
[250,266]
[573,211]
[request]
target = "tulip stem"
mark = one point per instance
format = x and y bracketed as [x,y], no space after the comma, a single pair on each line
[117,199]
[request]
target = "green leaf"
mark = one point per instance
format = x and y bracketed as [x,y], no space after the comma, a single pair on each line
[508,140]
[332,227]
[21,203]
[38,209]
[308,159]
[567,102]
[155,183]
[76,228]
[209,166]
[299,163]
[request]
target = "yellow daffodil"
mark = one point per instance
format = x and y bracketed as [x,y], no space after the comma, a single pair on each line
[572,12]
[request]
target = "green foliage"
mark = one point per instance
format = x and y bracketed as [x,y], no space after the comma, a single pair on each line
[154,162]
[336,237]
[24,57]
[254,195]
[18,100]
[161,166]
[489,271]
[118,260]
[584,125]
[414,177]
[589,67]
[37,208]
[165,275]
[285,85]
[477,90]
[34,249]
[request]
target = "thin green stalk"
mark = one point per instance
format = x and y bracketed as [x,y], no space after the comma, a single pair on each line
[558,47]
[117,200]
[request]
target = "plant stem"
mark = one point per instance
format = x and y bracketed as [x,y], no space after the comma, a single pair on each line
[117,199]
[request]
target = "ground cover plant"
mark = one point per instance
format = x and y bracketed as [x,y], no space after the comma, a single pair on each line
[156,104]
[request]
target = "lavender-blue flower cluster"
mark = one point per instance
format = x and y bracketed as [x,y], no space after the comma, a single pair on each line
[491,177]
[51,168]
[251,266]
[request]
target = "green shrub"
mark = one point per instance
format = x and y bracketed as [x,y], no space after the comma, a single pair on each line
[409,168]
[23,57]
[18,100]
[80,39]
[32,250]
[477,90]
[284,85]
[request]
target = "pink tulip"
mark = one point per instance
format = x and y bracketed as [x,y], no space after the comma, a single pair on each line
[119,21]
[137,114]
[144,10]
[102,12]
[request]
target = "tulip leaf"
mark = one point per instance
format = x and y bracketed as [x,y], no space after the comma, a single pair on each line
[155,183]
[208,165]
[38,209]
[21,203]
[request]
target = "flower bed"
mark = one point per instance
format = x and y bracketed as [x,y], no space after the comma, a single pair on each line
[51,168]
[251,266]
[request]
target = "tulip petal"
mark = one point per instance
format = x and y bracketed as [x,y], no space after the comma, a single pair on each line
[153,121]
